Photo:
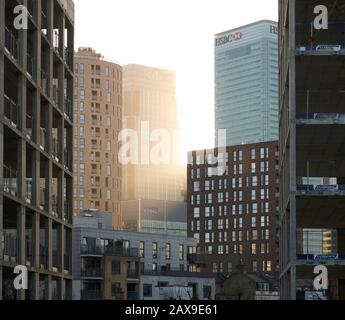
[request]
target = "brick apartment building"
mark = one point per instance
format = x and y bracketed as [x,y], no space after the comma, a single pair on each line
[232,210]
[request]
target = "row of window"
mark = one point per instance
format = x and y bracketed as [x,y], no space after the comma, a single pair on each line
[220,171]
[237,156]
[79,68]
[223,224]
[263,248]
[221,197]
[237,224]
[209,237]
[266,266]
[233,210]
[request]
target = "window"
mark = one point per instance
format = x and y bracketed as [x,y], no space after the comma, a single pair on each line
[147,290]
[168,251]
[82,94]
[253,154]
[115,267]
[81,106]
[115,288]
[154,250]
[142,249]
[82,119]
[253,167]
[181,252]
[254,248]
[81,68]
[207,292]
[196,213]
[255,266]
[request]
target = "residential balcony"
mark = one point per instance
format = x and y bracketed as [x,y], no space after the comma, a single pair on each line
[11,111]
[11,44]
[91,295]
[92,273]
[10,246]
[29,126]
[9,184]
[132,296]
[133,274]
[328,42]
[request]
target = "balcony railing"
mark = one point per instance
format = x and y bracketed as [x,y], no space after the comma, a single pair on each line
[91,273]
[11,44]
[132,296]
[10,245]
[44,24]
[320,188]
[11,111]
[10,181]
[119,252]
[29,126]
[44,82]
[91,295]
[330,40]
[68,108]
[28,190]
[67,262]
[43,257]
[30,65]
[132,274]
[42,139]
[55,149]
[334,117]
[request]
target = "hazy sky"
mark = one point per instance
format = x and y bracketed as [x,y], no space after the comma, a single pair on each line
[172,34]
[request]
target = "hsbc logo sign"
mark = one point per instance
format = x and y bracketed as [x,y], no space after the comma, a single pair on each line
[229,38]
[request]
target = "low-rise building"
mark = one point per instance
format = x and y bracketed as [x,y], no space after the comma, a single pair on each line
[128,265]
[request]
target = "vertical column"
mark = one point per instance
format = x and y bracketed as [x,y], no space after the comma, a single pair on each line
[292,150]
[61,248]
[21,258]
[36,241]
[49,239]
[2,42]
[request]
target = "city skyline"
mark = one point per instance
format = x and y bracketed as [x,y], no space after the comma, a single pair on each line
[156,44]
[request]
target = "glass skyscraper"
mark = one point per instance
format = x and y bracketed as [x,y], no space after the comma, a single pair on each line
[246,83]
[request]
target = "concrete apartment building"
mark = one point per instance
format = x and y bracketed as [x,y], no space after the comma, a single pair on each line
[232,208]
[36,134]
[125,265]
[246,83]
[311,141]
[97,123]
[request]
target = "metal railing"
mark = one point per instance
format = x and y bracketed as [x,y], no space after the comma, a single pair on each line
[309,39]
[10,110]
[10,185]
[68,108]
[132,274]
[321,116]
[29,126]
[320,188]
[30,65]
[10,244]
[11,44]
[55,149]
[42,139]
[44,23]
[91,273]
[44,82]
[44,257]
[132,295]
[28,189]
[91,295]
